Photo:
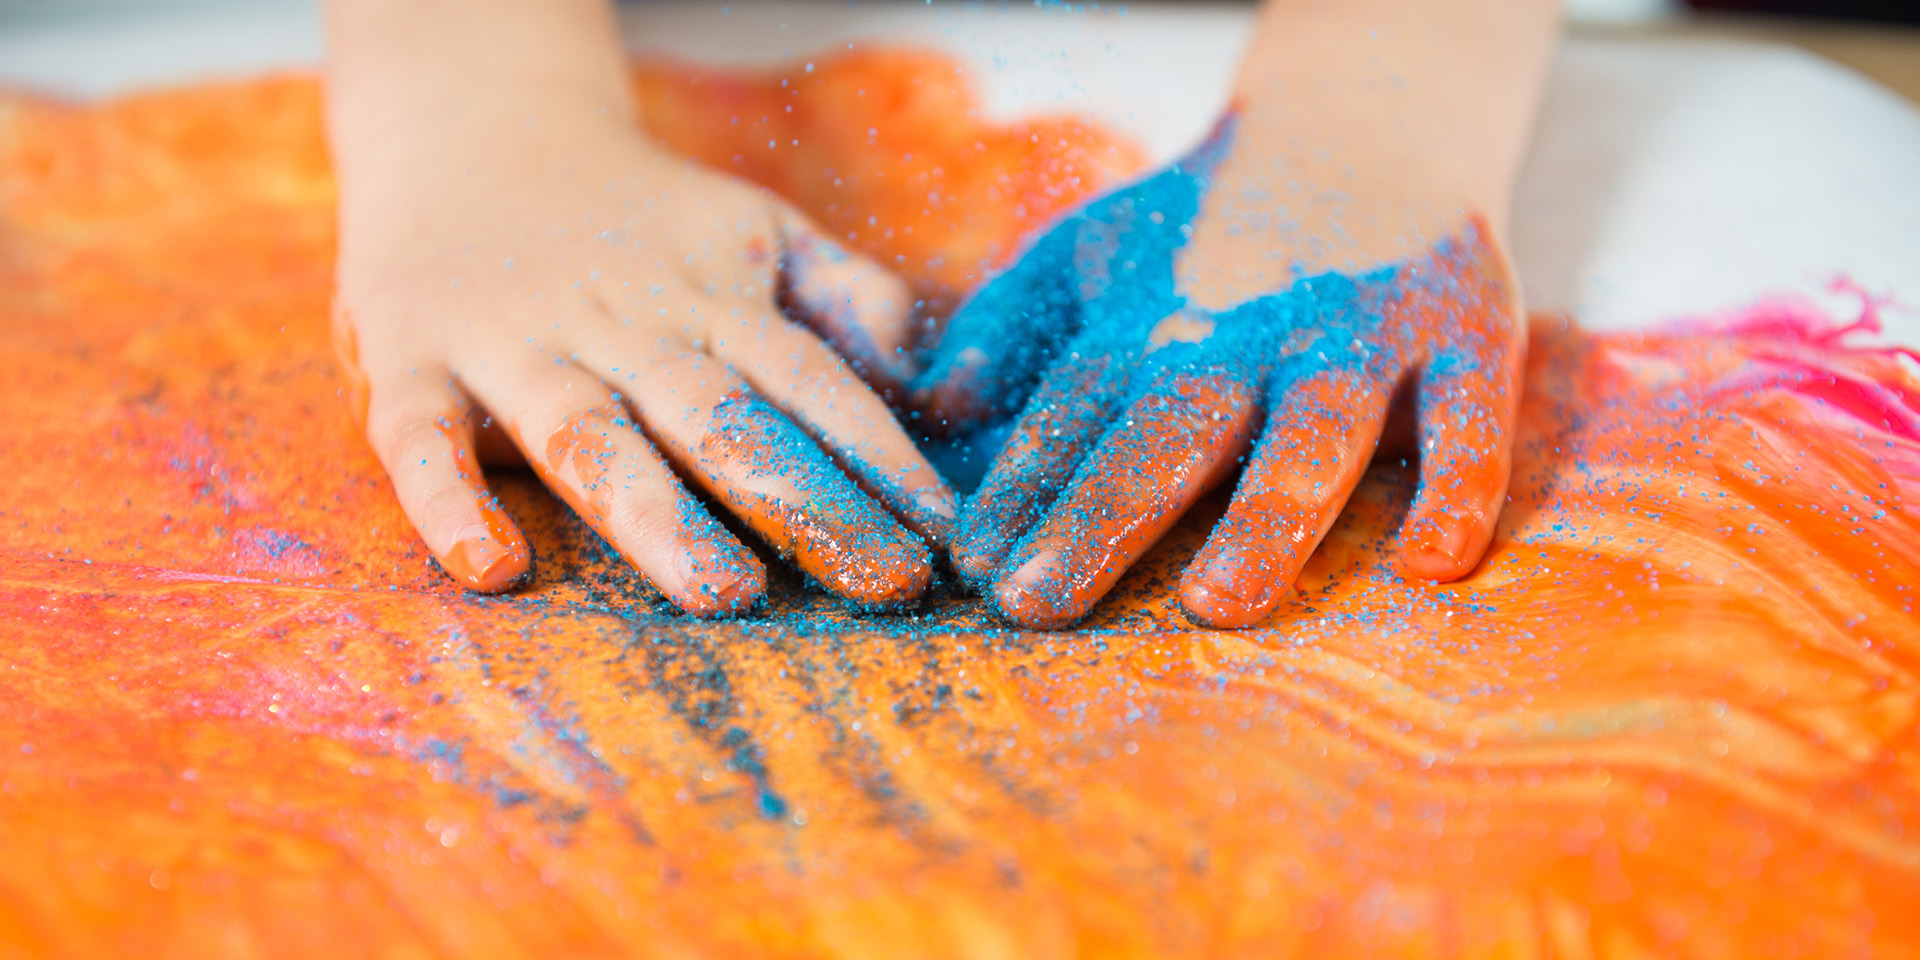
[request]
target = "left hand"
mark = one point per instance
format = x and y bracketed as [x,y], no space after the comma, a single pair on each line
[1243,298]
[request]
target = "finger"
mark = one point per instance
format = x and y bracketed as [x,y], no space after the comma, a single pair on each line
[1060,424]
[1172,444]
[770,474]
[419,428]
[811,383]
[1467,406]
[581,441]
[863,311]
[1001,339]
[1320,435]
[1468,398]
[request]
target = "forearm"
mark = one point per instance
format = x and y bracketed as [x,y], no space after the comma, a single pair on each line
[1448,86]
[404,71]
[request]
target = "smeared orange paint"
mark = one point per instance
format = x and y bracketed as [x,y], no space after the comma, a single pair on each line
[887,150]
[1676,712]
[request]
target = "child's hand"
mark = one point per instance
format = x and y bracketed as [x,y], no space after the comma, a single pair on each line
[525,261]
[1264,287]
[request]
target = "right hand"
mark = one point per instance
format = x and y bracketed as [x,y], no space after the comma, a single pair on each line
[618,315]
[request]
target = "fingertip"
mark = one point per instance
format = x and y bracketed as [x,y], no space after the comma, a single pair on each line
[930,512]
[488,557]
[1443,547]
[979,546]
[1226,599]
[899,574]
[717,579]
[1037,594]
[974,566]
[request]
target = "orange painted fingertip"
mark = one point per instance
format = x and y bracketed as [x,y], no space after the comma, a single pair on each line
[980,542]
[901,578]
[877,565]
[1038,596]
[1444,548]
[974,561]
[718,580]
[1225,601]
[489,558]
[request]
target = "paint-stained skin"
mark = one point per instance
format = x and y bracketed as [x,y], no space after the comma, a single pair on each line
[778,480]
[781,327]
[1131,401]
[714,574]
[242,714]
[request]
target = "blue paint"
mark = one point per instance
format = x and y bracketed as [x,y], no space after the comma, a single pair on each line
[1063,337]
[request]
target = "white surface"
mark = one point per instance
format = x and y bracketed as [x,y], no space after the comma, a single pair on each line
[1671,177]
[1665,178]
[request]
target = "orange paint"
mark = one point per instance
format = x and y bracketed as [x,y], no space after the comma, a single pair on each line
[713,573]
[242,714]
[887,151]
[774,477]
[1176,443]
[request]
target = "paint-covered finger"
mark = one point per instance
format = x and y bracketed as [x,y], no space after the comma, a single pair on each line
[1467,406]
[768,472]
[1060,424]
[1320,434]
[1168,448]
[816,388]
[1467,308]
[1001,340]
[419,427]
[862,310]
[581,440]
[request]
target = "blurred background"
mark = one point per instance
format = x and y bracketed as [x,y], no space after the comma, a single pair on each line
[1880,38]
[1691,155]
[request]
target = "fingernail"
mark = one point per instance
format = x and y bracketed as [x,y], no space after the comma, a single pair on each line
[714,583]
[1035,594]
[1217,598]
[1219,583]
[974,567]
[479,560]
[1439,547]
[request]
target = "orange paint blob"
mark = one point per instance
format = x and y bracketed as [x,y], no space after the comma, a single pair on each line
[1674,713]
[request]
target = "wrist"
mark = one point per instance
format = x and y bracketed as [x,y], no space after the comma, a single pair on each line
[1440,92]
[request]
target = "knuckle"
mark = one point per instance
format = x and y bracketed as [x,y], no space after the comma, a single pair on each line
[444,509]
[407,443]
[645,517]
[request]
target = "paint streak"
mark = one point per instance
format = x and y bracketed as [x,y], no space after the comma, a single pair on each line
[1673,713]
